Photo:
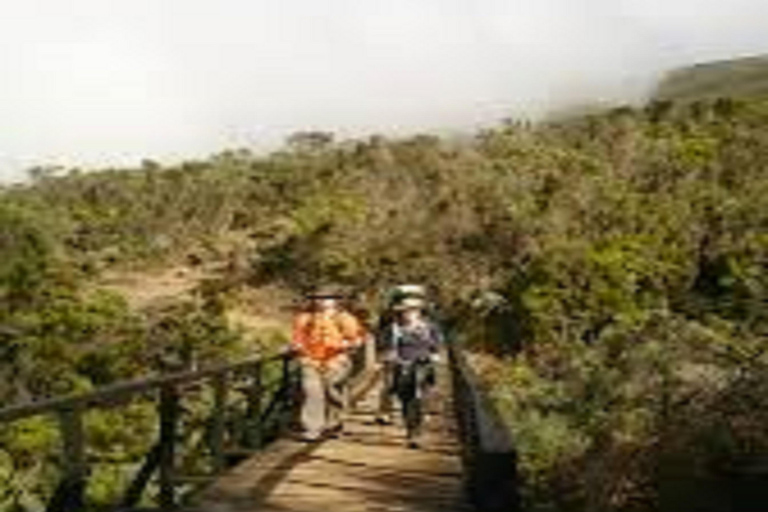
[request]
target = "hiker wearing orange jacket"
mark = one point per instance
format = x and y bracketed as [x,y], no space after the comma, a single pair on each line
[323,336]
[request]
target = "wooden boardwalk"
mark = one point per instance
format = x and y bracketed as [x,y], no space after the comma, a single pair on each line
[368,468]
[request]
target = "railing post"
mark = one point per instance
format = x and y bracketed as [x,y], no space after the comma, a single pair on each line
[70,496]
[218,426]
[169,413]
[254,431]
[136,488]
[286,415]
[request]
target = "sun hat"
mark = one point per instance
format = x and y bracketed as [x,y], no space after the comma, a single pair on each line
[410,290]
[410,303]
[325,292]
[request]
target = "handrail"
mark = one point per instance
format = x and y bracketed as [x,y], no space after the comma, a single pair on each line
[116,392]
[265,419]
[161,458]
[488,452]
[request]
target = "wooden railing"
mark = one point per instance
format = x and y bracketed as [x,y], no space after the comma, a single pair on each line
[488,453]
[268,408]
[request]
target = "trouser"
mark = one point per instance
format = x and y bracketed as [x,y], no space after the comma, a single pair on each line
[413,380]
[387,388]
[325,393]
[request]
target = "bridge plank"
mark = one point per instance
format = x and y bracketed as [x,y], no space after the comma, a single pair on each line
[369,468]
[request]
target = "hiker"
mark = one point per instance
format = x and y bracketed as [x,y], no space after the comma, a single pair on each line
[323,336]
[384,350]
[415,342]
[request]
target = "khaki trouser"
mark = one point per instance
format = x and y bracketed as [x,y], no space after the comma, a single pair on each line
[325,393]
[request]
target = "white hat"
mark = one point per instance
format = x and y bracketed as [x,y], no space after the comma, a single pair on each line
[410,303]
[411,289]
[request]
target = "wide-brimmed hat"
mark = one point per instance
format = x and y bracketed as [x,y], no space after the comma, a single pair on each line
[411,290]
[325,292]
[410,303]
[401,292]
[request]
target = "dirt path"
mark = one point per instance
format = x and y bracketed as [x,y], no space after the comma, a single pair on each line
[259,312]
[144,288]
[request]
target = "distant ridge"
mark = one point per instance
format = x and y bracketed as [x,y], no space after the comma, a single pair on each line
[745,77]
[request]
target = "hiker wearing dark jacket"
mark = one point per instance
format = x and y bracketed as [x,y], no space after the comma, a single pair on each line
[414,344]
[384,343]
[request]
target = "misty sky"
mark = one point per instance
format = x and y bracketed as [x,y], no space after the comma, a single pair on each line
[97,82]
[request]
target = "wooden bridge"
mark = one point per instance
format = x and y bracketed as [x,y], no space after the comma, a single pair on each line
[256,463]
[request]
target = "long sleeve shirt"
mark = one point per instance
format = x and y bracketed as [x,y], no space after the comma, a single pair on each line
[413,342]
[322,336]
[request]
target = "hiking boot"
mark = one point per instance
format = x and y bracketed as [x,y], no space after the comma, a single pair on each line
[335,430]
[309,438]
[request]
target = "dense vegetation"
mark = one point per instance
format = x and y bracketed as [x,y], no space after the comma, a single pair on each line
[610,270]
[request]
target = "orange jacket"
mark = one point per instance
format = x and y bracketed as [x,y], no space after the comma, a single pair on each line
[321,337]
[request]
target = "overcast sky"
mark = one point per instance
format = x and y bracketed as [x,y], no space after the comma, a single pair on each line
[97,82]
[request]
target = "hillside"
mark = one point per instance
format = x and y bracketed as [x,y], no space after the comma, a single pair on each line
[736,78]
[624,253]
